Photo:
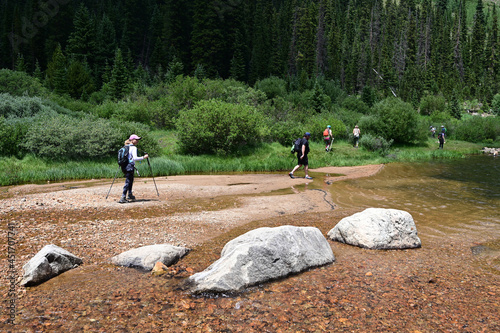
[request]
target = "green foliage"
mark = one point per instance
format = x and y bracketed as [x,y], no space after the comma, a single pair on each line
[272,87]
[12,132]
[285,132]
[354,103]
[20,107]
[431,104]
[57,72]
[79,80]
[495,104]
[369,96]
[317,124]
[376,144]
[396,120]
[65,137]
[217,127]
[119,81]
[478,129]
[20,84]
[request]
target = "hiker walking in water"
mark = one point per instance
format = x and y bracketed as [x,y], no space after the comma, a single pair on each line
[356,133]
[302,156]
[128,170]
[328,137]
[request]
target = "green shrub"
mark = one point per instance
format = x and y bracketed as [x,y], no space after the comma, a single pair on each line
[272,87]
[331,88]
[65,137]
[20,84]
[353,103]
[375,143]
[431,104]
[217,127]
[285,132]
[495,104]
[396,120]
[478,129]
[369,96]
[317,124]
[12,131]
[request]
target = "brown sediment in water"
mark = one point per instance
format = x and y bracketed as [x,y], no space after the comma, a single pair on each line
[439,287]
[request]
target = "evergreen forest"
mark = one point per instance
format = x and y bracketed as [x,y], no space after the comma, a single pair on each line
[270,69]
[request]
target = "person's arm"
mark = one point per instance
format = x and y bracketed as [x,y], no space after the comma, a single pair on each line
[303,150]
[133,151]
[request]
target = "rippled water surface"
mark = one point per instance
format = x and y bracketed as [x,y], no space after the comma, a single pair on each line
[446,199]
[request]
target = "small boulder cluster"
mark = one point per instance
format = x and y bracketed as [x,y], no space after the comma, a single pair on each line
[255,257]
[491,151]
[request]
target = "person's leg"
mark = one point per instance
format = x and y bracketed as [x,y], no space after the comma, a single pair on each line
[294,169]
[130,195]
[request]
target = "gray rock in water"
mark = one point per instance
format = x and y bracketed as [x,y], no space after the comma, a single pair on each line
[262,255]
[50,261]
[377,228]
[146,257]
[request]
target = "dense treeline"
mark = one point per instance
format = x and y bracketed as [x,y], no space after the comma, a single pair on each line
[406,48]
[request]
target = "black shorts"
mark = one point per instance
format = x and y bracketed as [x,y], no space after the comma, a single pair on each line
[303,161]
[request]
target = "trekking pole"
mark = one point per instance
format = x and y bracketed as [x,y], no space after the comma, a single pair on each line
[116,174]
[151,169]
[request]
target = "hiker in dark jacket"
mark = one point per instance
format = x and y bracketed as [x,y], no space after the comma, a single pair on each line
[302,156]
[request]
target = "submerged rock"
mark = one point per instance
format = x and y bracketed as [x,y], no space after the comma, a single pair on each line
[146,257]
[50,261]
[377,228]
[261,255]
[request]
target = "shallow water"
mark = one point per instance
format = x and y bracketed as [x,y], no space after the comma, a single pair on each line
[459,198]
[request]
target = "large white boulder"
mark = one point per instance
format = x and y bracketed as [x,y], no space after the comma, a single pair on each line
[261,255]
[377,228]
[50,261]
[146,257]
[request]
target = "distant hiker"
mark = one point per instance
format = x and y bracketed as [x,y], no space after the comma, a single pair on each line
[433,131]
[328,137]
[128,170]
[441,140]
[302,159]
[356,133]
[443,131]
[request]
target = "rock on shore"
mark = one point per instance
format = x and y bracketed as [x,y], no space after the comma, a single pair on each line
[377,228]
[261,255]
[146,257]
[50,261]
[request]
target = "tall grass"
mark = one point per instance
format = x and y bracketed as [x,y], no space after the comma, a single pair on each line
[266,158]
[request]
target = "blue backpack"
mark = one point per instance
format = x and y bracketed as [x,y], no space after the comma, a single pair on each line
[123,160]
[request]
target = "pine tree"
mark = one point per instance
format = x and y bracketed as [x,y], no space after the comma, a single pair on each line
[478,39]
[79,79]
[207,42]
[238,60]
[82,41]
[105,46]
[37,73]
[57,72]
[20,64]
[321,51]
[119,81]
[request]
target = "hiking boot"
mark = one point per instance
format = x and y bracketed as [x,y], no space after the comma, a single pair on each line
[123,199]
[291,175]
[307,177]
[131,197]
